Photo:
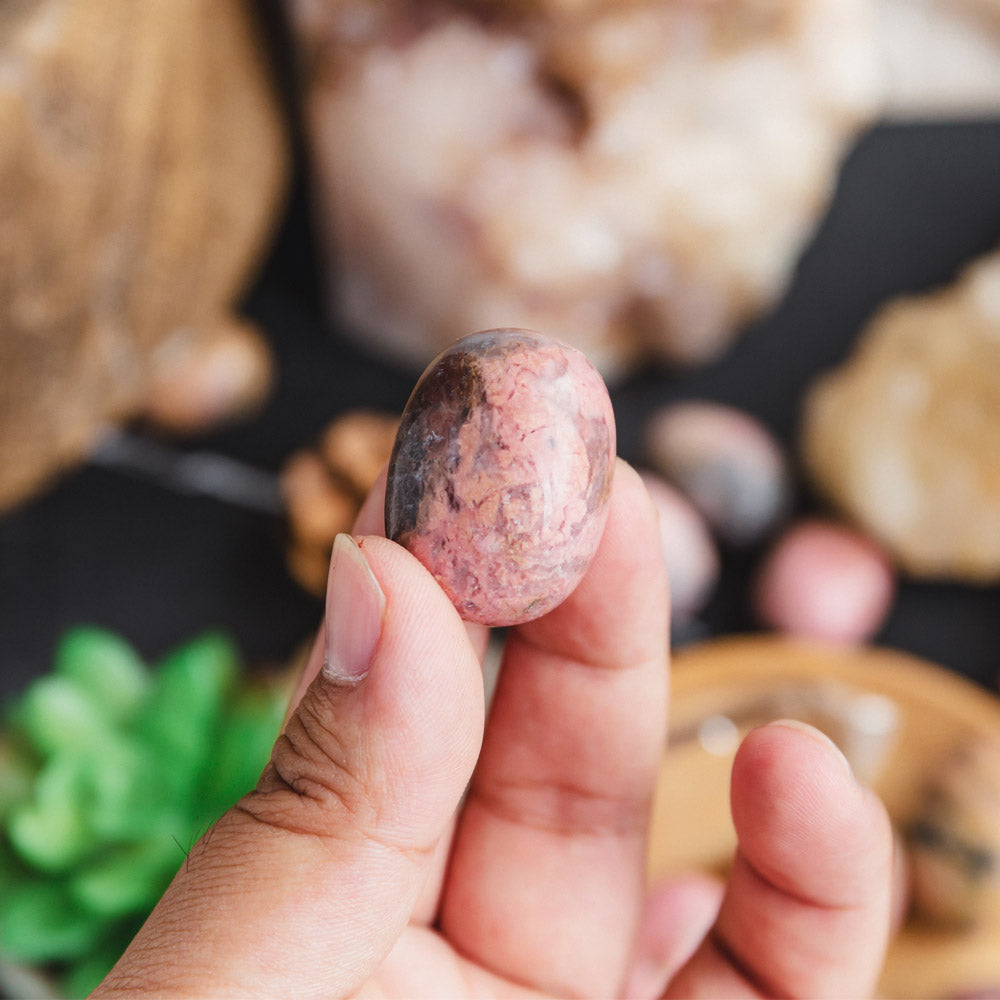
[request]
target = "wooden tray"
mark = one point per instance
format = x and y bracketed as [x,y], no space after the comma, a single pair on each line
[756,679]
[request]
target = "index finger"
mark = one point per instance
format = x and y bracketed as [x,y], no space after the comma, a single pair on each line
[547,874]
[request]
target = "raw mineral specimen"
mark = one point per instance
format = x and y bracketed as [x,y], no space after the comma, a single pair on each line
[905,437]
[631,177]
[942,57]
[501,472]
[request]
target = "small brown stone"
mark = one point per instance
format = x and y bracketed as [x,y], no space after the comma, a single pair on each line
[309,566]
[357,445]
[317,507]
[324,487]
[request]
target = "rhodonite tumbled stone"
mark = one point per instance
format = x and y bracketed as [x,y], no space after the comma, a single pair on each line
[501,472]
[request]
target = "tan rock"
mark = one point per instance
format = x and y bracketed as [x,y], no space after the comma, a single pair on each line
[631,178]
[905,437]
[141,166]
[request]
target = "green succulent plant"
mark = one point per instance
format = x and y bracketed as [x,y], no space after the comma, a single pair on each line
[110,770]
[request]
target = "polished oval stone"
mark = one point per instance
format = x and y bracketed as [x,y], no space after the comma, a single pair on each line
[501,473]
[689,551]
[824,580]
[727,464]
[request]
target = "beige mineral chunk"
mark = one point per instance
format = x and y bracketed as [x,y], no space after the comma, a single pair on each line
[632,178]
[905,437]
[141,167]
[942,57]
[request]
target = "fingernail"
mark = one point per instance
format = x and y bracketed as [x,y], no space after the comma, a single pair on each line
[355,606]
[820,737]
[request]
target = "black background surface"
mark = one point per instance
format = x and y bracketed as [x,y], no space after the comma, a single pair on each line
[914,203]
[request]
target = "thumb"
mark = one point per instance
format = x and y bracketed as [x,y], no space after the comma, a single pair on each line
[305,885]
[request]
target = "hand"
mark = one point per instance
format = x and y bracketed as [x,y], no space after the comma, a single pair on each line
[395,847]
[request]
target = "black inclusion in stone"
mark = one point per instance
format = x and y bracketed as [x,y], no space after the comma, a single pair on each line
[424,450]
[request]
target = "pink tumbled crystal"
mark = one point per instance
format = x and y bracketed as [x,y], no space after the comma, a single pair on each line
[688,549]
[726,462]
[501,472]
[823,580]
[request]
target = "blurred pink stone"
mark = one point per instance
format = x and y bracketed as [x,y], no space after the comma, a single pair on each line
[688,548]
[824,581]
[726,462]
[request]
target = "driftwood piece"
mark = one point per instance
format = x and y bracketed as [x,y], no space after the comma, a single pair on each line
[142,160]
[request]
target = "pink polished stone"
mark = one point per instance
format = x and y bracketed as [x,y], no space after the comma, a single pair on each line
[693,564]
[822,580]
[501,473]
[726,462]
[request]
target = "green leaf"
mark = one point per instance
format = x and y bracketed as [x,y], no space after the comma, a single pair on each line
[106,667]
[17,774]
[129,879]
[86,975]
[13,871]
[57,715]
[39,922]
[127,793]
[180,719]
[244,744]
[49,831]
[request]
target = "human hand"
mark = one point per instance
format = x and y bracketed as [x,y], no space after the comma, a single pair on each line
[396,846]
